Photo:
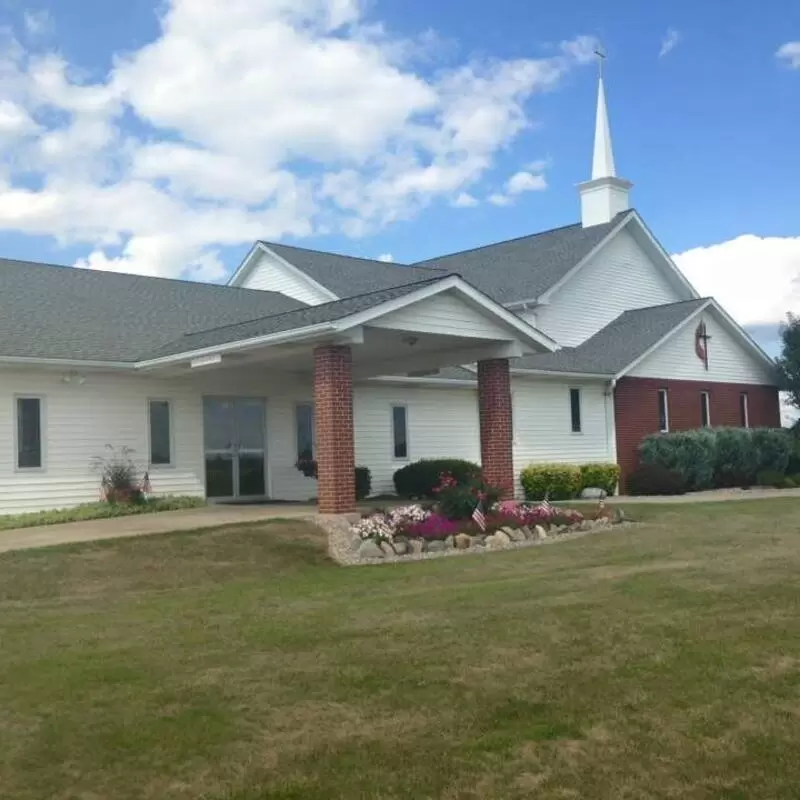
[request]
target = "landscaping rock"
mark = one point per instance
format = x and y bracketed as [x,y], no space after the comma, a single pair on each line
[400,547]
[517,535]
[529,534]
[436,546]
[593,493]
[450,542]
[356,543]
[369,549]
[501,539]
[463,541]
[540,532]
[387,548]
[479,538]
[417,546]
[508,532]
[619,516]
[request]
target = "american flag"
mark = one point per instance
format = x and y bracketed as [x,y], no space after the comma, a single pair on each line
[479,517]
[146,487]
[546,506]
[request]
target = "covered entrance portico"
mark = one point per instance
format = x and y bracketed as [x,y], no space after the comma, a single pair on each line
[413,330]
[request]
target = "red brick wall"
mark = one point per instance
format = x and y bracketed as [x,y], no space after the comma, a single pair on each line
[636,410]
[494,408]
[333,429]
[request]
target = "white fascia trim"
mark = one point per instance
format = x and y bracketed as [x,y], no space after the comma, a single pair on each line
[545,296]
[681,278]
[548,373]
[65,362]
[432,381]
[296,334]
[525,330]
[260,248]
[243,270]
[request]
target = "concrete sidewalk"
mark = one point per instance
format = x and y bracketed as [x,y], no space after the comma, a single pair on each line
[147,524]
[714,496]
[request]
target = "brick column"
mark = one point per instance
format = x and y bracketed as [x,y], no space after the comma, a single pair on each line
[494,407]
[333,429]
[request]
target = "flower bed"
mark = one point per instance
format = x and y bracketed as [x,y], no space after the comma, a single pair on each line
[414,530]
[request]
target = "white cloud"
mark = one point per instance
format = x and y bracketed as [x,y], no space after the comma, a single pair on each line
[387,257]
[253,119]
[38,23]
[789,53]
[525,182]
[756,279]
[465,200]
[789,413]
[498,199]
[669,42]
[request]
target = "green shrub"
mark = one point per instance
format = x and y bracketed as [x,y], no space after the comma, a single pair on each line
[773,449]
[735,463]
[554,481]
[603,476]
[418,480]
[770,477]
[653,479]
[457,501]
[363,482]
[788,482]
[691,454]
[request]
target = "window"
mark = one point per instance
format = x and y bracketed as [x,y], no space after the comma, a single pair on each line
[304,423]
[29,433]
[663,411]
[705,411]
[160,433]
[744,411]
[575,409]
[400,431]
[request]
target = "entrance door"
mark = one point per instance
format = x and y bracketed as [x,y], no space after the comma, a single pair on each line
[235,449]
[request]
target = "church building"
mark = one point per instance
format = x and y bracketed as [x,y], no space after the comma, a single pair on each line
[568,345]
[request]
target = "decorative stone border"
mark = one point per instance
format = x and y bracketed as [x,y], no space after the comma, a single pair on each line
[348,549]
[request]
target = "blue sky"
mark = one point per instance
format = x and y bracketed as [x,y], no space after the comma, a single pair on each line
[164,137]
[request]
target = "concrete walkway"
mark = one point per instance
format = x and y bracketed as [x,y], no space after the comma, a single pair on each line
[213,516]
[147,524]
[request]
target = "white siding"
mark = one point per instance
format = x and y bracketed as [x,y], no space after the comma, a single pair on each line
[444,313]
[619,277]
[542,423]
[442,422]
[729,361]
[270,274]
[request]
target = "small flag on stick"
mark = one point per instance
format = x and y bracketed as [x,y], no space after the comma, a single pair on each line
[479,517]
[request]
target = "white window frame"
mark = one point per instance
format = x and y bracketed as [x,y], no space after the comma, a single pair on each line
[297,405]
[665,394]
[706,398]
[744,405]
[42,432]
[171,463]
[580,409]
[407,456]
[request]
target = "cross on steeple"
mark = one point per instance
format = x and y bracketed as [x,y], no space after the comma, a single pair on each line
[601,57]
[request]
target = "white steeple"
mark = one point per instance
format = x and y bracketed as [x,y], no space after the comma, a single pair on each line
[605,195]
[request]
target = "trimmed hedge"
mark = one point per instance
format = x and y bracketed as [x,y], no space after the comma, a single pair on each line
[653,479]
[712,458]
[603,476]
[554,481]
[419,479]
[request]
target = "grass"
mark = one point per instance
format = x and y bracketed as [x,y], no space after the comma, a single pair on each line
[660,661]
[89,511]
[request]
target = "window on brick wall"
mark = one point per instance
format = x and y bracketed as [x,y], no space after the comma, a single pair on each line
[705,410]
[744,411]
[575,410]
[663,411]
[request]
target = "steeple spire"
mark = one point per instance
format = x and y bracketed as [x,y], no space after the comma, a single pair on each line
[603,162]
[605,195]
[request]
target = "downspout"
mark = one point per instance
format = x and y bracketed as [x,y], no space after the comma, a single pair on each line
[611,427]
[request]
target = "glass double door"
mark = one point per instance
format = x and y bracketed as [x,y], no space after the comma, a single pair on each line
[235,447]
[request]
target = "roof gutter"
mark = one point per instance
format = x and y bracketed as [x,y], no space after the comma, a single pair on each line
[558,374]
[65,362]
[297,334]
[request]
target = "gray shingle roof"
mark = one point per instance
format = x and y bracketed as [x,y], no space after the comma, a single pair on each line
[617,345]
[525,268]
[346,276]
[290,320]
[515,270]
[63,312]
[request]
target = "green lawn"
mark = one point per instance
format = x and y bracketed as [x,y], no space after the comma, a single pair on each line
[660,661]
[99,510]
